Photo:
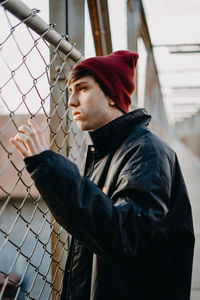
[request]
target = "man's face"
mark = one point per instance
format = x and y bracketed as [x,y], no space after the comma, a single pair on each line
[90,106]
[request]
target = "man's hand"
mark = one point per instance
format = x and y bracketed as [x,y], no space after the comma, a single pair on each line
[29,140]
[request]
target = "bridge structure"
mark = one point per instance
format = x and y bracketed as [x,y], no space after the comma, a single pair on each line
[37,53]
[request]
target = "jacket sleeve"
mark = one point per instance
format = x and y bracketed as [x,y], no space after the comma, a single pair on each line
[111,231]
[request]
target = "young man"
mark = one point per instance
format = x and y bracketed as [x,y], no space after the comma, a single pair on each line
[129,215]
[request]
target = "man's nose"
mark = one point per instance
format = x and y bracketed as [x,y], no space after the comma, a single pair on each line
[73,101]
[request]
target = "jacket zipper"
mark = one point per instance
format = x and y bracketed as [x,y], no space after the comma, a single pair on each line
[92,168]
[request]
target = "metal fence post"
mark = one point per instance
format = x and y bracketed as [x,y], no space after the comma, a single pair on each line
[58,14]
[65,13]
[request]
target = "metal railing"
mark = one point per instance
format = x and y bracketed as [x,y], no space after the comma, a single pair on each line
[35,61]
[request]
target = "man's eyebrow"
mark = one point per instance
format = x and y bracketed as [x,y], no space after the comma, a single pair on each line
[79,83]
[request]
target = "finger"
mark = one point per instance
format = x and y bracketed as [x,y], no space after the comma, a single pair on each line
[37,131]
[28,142]
[20,148]
[28,131]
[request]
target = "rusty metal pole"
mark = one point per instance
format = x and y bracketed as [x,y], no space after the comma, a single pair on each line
[99,17]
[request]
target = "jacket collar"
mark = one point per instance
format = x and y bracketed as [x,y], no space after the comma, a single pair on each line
[108,137]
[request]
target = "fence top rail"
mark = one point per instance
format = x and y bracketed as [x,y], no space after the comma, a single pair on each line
[32,20]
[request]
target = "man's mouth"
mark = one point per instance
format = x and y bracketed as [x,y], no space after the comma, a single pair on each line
[77,115]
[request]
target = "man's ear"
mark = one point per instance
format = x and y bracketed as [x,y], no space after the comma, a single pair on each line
[111,102]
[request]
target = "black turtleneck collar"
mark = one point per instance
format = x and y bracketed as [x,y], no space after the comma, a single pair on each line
[107,137]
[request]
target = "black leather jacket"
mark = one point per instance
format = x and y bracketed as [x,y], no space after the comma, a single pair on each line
[129,215]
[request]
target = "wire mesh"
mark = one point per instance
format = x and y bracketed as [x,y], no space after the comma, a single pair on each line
[33,84]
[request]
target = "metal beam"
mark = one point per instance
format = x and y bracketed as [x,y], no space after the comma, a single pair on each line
[185,87]
[75,23]
[153,97]
[133,23]
[144,31]
[137,25]
[133,32]
[177,45]
[185,52]
[99,17]
[176,71]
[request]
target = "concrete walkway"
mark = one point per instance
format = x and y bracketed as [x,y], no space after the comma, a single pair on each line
[190,165]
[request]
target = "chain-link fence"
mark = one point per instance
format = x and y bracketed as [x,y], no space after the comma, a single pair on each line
[33,84]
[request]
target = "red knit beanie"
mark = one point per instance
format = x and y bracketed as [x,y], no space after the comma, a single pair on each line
[115,74]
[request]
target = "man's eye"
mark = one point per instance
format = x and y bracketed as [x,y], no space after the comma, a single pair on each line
[82,88]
